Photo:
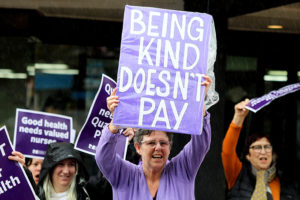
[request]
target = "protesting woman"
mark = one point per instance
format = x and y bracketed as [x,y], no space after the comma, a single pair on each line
[156,178]
[63,174]
[256,175]
[35,166]
[20,158]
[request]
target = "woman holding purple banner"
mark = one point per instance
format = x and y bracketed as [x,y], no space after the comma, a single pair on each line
[255,177]
[157,177]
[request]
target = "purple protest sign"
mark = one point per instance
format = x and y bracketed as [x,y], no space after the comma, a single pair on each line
[258,103]
[98,117]
[35,130]
[163,58]
[14,183]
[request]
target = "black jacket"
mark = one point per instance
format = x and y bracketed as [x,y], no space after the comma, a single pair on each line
[31,180]
[245,185]
[57,152]
[99,188]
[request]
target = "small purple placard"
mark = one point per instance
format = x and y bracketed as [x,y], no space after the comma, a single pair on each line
[14,183]
[258,103]
[98,117]
[163,59]
[35,130]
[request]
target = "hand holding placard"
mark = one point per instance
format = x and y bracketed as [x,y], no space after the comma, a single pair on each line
[18,157]
[14,183]
[164,55]
[112,103]
[258,103]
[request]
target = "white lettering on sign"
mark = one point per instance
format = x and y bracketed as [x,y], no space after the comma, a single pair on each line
[97,123]
[171,53]
[38,140]
[97,133]
[167,65]
[34,122]
[92,147]
[177,25]
[108,89]
[161,112]
[2,150]
[56,134]
[6,185]
[56,125]
[105,113]
[35,131]
[180,87]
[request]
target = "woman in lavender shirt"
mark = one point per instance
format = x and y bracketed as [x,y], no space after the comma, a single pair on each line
[156,178]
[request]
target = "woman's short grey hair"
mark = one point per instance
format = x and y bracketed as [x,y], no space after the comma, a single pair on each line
[139,135]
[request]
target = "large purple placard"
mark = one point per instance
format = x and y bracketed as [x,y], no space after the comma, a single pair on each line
[163,58]
[35,130]
[14,183]
[258,103]
[98,117]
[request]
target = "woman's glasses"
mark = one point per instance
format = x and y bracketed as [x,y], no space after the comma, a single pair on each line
[258,148]
[152,143]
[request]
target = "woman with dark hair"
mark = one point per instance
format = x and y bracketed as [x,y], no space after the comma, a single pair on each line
[35,166]
[20,158]
[257,177]
[63,174]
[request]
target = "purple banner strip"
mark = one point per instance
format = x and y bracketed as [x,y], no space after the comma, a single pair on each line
[14,183]
[258,103]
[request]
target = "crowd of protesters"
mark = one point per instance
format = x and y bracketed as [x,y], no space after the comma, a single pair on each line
[148,174]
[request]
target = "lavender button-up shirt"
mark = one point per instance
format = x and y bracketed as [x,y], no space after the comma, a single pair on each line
[178,178]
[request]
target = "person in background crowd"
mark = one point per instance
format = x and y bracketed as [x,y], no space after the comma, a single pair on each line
[56,103]
[35,166]
[131,155]
[256,177]
[20,158]
[156,178]
[63,175]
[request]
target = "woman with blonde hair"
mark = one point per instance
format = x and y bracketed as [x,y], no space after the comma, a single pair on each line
[63,175]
